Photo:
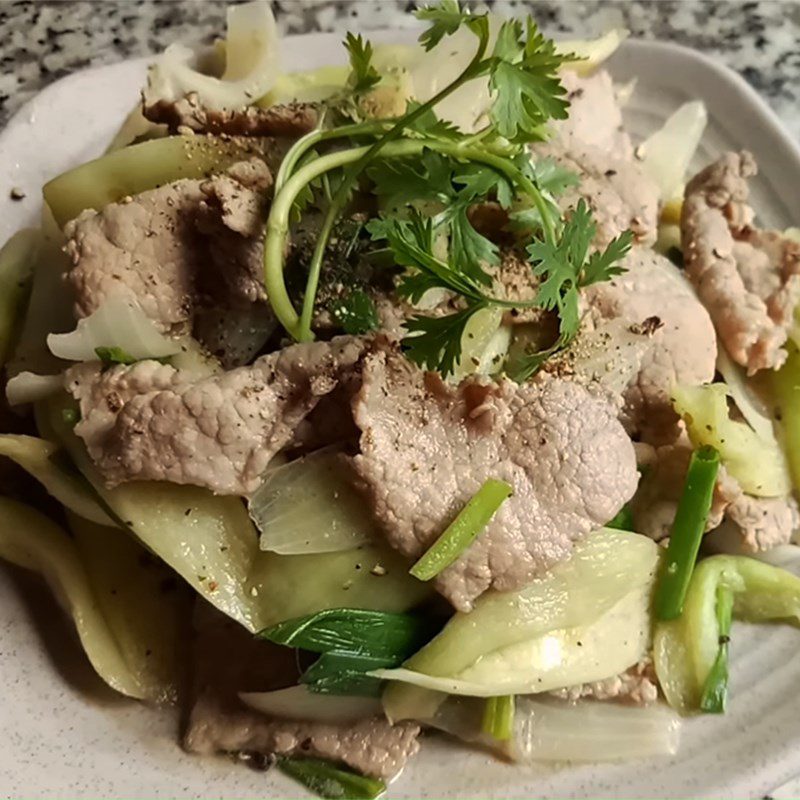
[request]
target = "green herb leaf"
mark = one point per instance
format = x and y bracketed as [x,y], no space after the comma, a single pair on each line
[344,673]
[363,76]
[715,689]
[403,181]
[468,248]
[687,533]
[446,18]
[355,312]
[435,342]
[498,717]
[330,781]
[552,180]
[526,93]
[430,126]
[603,266]
[463,530]
[478,181]
[114,355]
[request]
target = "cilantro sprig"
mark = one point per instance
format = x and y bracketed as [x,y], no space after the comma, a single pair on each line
[428,175]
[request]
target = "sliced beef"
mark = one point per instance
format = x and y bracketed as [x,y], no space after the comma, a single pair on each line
[426,448]
[748,279]
[229,660]
[170,249]
[654,293]
[595,116]
[757,523]
[188,114]
[619,194]
[149,422]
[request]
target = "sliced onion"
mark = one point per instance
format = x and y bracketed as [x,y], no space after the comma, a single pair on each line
[116,323]
[593,52]
[753,409]
[251,64]
[667,153]
[298,703]
[309,506]
[30,388]
[238,335]
[553,730]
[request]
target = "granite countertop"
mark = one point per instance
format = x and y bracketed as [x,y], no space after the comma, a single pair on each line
[42,41]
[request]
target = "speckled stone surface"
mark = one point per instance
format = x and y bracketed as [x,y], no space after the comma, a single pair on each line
[41,41]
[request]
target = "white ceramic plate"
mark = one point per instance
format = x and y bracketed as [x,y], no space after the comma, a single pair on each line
[63,736]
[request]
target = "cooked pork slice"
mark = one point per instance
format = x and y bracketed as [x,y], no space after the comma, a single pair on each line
[149,422]
[748,279]
[427,447]
[636,686]
[168,248]
[757,523]
[229,660]
[619,194]
[654,294]
[595,117]
[188,114]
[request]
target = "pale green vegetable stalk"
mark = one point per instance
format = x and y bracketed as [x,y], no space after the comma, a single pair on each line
[498,717]
[786,385]
[17,259]
[758,464]
[686,649]
[109,626]
[587,619]
[211,543]
[138,168]
[44,461]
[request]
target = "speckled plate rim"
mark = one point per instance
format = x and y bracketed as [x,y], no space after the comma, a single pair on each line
[62,740]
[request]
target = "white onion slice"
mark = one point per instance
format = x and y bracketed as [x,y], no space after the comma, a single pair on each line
[116,323]
[298,703]
[251,64]
[552,730]
[667,153]
[30,388]
[309,506]
[593,52]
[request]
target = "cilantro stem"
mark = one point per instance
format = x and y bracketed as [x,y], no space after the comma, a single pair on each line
[475,66]
[498,717]
[463,530]
[687,533]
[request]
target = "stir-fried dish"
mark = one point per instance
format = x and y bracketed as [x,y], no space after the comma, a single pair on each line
[404,396]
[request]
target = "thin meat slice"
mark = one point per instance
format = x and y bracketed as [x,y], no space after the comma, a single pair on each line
[636,686]
[653,294]
[229,660]
[188,114]
[619,194]
[150,421]
[426,448]
[174,248]
[748,279]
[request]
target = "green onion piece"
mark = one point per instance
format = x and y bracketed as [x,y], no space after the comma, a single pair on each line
[114,355]
[623,521]
[331,781]
[346,674]
[715,689]
[463,530]
[498,717]
[687,532]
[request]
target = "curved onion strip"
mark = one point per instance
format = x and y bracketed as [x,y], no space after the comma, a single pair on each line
[297,702]
[26,387]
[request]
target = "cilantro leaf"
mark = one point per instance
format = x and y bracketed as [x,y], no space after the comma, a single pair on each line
[552,180]
[114,355]
[446,18]
[468,248]
[363,76]
[355,312]
[435,342]
[526,92]
[477,181]
[430,126]
[602,266]
[402,181]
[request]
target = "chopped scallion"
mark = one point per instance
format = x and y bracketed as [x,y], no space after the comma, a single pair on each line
[330,781]
[498,717]
[715,689]
[687,533]
[463,530]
